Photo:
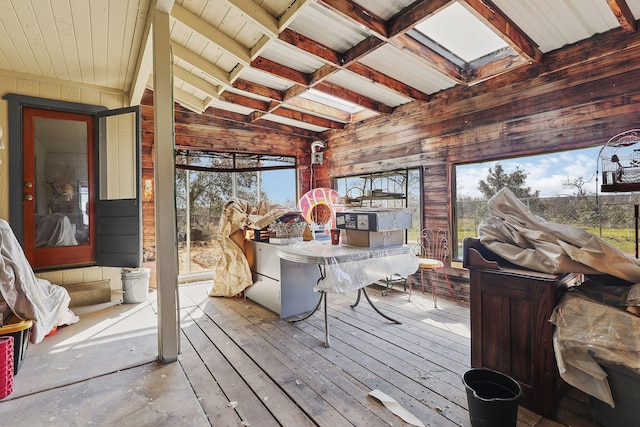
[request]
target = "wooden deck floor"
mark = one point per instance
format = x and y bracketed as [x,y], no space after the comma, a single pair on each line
[260,370]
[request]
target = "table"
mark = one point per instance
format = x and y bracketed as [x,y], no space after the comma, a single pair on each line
[345,268]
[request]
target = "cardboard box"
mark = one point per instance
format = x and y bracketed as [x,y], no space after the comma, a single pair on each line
[374,219]
[374,239]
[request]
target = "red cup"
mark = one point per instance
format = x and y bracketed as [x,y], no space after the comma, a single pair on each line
[335,236]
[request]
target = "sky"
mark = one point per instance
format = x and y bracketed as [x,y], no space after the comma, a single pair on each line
[545,172]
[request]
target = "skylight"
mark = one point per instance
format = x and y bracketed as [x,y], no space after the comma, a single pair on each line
[331,101]
[461,33]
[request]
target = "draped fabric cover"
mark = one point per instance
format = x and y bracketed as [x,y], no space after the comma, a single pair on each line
[232,273]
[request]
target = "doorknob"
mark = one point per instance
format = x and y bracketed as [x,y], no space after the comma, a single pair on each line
[28,184]
[28,197]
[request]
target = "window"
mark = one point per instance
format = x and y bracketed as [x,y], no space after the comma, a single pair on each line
[205,181]
[400,189]
[560,187]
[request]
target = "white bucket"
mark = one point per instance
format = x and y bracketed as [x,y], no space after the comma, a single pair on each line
[135,284]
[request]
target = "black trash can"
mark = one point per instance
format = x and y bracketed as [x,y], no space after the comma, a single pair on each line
[492,398]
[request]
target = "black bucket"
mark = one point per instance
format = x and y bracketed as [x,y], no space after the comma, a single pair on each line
[492,398]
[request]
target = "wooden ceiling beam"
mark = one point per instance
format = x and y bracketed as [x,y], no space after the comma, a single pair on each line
[321,74]
[195,81]
[318,108]
[353,97]
[245,101]
[211,33]
[506,29]
[307,118]
[413,15]
[279,70]
[258,89]
[363,48]
[359,14]
[308,45]
[258,16]
[623,14]
[430,57]
[395,85]
[201,64]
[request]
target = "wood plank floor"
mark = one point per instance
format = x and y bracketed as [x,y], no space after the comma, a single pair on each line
[249,367]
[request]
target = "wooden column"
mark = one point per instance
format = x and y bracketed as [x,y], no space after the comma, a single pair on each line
[166,253]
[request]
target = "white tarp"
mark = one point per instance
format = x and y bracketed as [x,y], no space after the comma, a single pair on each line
[29,297]
[517,235]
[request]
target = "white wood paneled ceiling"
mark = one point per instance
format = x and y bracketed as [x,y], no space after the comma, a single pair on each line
[310,64]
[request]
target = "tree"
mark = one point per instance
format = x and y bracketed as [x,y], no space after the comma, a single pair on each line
[497,179]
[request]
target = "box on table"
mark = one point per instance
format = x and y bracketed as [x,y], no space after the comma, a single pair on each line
[374,219]
[375,239]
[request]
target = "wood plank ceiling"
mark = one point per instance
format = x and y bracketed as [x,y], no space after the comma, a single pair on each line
[309,64]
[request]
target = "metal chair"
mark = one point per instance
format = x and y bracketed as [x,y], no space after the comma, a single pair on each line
[432,251]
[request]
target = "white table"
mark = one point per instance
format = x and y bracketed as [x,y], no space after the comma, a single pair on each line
[344,268]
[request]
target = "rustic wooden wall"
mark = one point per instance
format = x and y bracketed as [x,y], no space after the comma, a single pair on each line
[229,134]
[577,97]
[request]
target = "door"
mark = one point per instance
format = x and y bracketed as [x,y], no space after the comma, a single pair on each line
[77,168]
[118,199]
[58,188]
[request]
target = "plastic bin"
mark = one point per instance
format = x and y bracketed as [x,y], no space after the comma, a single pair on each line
[20,330]
[135,285]
[492,398]
[625,389]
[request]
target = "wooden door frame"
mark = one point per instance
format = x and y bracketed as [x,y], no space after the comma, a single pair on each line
[16,104]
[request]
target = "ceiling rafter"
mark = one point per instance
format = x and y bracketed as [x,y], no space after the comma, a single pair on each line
[623,14]
[211,33]
[258,89]
[305,117]
[348,61]
[197,61]
[202,85]
[359,14]
[495,19]
[413,15]
[353,97]
[430,57]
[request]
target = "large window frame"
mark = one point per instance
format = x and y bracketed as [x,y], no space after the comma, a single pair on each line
[579,204]
[237,175]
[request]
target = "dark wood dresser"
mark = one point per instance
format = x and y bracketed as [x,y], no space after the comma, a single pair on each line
[510,328]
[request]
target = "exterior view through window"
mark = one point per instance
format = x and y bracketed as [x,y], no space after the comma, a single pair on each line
[205,181]
[399,189]
[561,187]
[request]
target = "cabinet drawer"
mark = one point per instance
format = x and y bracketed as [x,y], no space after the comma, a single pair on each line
[266,261]
[265,291]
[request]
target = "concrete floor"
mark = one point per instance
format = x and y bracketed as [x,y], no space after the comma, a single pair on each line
[100,371]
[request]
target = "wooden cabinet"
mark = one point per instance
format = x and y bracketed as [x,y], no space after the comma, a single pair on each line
[510,328]
[282,286]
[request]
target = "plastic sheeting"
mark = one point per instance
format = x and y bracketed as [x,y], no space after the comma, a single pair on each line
[29,297]
[517,235]
[348,268]
[232,273]
[588,333]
